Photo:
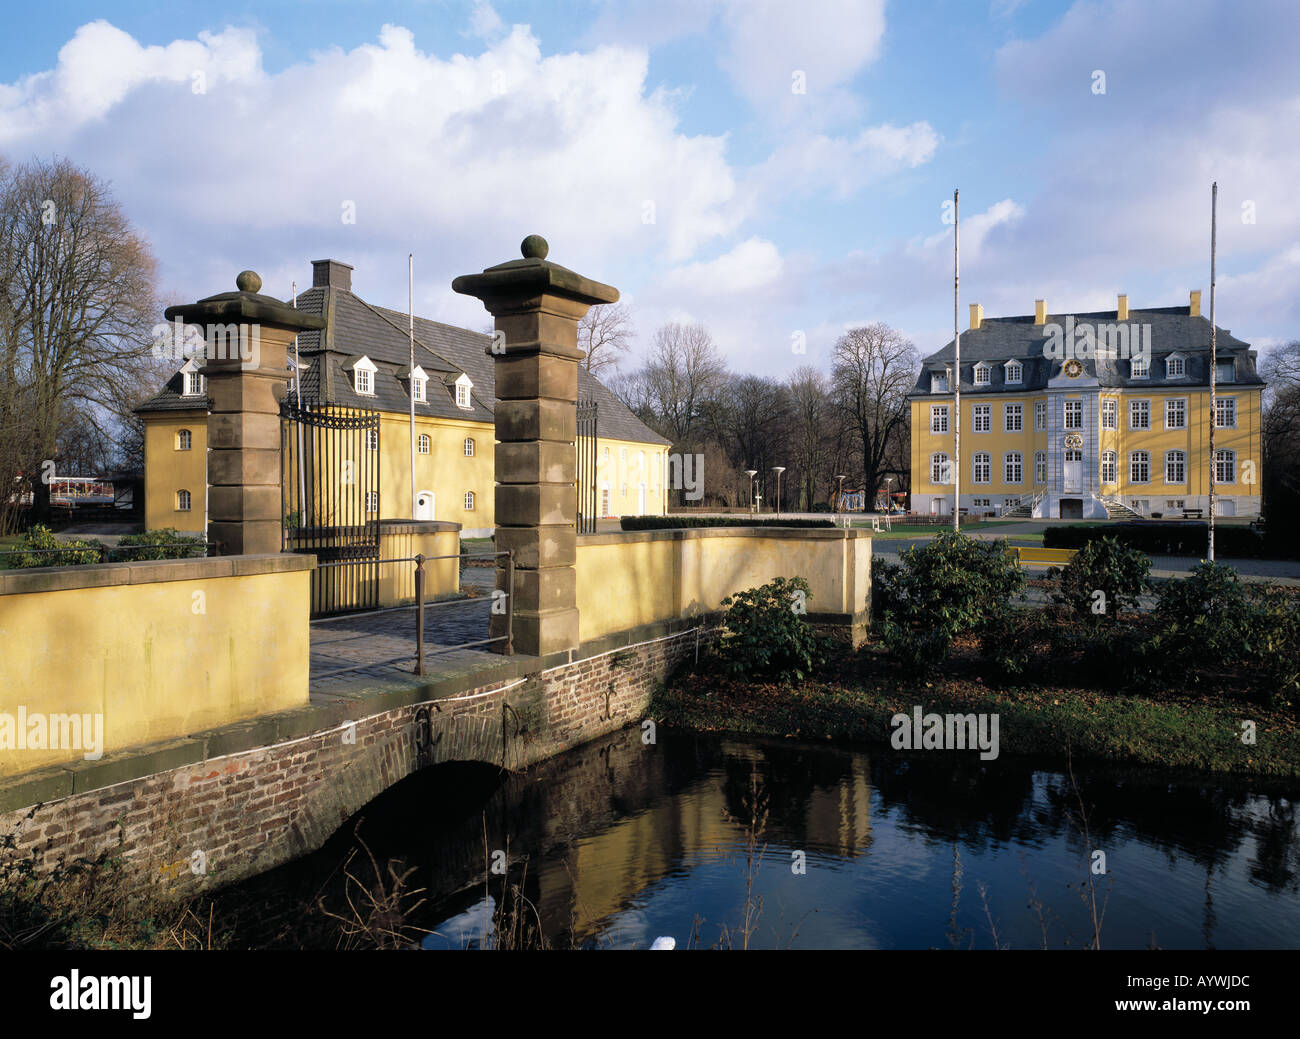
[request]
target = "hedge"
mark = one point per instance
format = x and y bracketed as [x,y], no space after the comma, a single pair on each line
[1173,539]
[673,522]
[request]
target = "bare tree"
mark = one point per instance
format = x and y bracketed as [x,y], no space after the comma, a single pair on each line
[874,368]
[605,332]
[683,375]
[77,308]
[1281,431]
[812,416]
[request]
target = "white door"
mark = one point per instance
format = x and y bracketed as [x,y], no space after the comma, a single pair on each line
[1225,507]
[424,505]
[1073,472]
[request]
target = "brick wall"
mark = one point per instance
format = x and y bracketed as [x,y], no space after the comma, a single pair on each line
[200,826]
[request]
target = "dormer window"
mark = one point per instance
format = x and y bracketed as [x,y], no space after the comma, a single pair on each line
[1140,368]
[983,374]
[363,375]
[193,383]
[462,395]
[418,391]
[460,386]
[1014,372]
[1224,371]
[938,382]
[418,381]
[1175,366]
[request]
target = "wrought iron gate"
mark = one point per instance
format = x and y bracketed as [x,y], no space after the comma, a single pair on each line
[329,493]
[588,495]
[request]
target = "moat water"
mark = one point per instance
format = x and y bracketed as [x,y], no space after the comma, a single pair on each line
[617,842]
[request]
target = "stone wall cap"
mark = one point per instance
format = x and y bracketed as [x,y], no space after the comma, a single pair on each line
[533,275]
[149,571]
[406,526]
[619,537]
[245,306]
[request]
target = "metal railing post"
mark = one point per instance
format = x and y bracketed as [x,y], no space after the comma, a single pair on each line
[419,614]
[510,602]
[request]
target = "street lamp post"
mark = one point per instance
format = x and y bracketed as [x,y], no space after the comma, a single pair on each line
[778,469]
[751,473]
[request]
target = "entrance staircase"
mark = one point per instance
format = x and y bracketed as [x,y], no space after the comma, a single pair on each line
[1025,508]
[1116,509]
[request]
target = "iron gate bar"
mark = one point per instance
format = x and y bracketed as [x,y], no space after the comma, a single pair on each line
[587,466]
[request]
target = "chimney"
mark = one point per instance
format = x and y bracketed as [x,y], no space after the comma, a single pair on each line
[1194,305]
[976,316]
[331,274]
[1040,311]
[1121,308]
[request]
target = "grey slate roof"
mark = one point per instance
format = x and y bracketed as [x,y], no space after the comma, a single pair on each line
[355,327]
[1173,330]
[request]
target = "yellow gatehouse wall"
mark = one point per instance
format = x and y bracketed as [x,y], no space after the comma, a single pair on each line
[153,650]
[632,578]
[170,469]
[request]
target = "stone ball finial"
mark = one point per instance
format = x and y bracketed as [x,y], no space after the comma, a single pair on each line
[534,247]
[249,281]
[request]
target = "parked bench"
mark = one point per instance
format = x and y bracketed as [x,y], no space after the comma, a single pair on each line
[1193,513]
[1030,556]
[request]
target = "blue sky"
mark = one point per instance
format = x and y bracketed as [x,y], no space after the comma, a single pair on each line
[236,135]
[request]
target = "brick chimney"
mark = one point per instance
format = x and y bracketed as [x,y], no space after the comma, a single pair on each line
[1121,308]
[331,274]
[1040,311]
[1194,303]
[976,316]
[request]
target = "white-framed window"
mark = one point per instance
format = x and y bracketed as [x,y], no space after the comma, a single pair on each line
[1175,503]
[1040,416]
[1140,368]
[363,382]
[1225,371]
[983,374]
[1175,467]
[1040,467]
[1108,463]
[372,501]
[1225,466]
[938,382]
[418,390]
[981,503]
[1175,368]
[469,447]
[423,443]
[1014,372]
[184,440]
[939,418]
[1109,413]
[1013,418]
[372,440]
[983,467]
[940,468]
[182,501]
[1139,414]
[1139,467]
[983,416]
[1225,412]
[462,395]
[1074,414]
[196,384]
[1175,413]
[1013,467]
[469,501]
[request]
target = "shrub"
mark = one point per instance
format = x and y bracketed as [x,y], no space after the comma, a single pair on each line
[1173,539]
[674,522]
[65,553]
[766,633]
[1013,641]
[952,586]
[167,543]
[1118,571]
[821,506]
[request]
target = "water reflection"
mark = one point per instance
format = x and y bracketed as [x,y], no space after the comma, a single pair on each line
[617,842]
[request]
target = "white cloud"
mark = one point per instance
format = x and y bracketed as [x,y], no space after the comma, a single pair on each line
[753,264]
[484,22]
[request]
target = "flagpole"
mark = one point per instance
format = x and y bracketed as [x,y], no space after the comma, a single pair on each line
[1214,221]
[410,371]
[956,366]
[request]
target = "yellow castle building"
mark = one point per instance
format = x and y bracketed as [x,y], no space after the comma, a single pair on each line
[1089,415]
[359,363]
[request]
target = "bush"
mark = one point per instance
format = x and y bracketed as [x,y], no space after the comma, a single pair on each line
[674,522]
[952,586]
[766,634]
[1013,641]
[167,543]
[821,506]
[1118,571]
[65,553]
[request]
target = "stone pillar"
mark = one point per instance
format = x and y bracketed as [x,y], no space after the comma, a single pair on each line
[537,305]
[246,336]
